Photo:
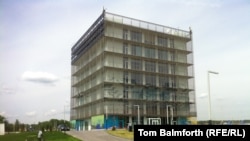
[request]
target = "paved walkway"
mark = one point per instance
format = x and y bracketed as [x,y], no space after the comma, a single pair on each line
[95,135]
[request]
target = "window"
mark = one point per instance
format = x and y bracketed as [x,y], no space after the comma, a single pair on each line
[149,38]
[172,69]
[151,109]
[163,68]
[136,36]
[162,41]
[136,78]
[151,93]
[151,80]
[137,93]
[164,95]
[125,48]
[136,64]
[172,83]
[125,34]
[125,75]
[125,94]
[172,56]
[125,63]
[163,81]
[149,52]
[162,54]
[150,66]
[171,43]
[136,50]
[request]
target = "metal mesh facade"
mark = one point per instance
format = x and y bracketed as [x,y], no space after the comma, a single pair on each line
[132,70]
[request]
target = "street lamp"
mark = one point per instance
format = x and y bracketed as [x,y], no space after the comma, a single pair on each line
[64,114]
[64,111]
[138,112]
[212,72]
[172,113]
[64,126]
[106,111]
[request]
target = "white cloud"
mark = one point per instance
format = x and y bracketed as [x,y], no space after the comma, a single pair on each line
[40,77]
[4,89]
[8,116]
[50,112]
[2,113]
[31,114]
[203,95]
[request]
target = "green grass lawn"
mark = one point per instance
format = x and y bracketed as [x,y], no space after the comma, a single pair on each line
[58,136]
[32,136]
[123,133]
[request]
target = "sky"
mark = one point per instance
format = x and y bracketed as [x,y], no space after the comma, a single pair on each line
[36,38]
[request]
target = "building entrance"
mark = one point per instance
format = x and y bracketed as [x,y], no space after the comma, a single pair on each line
[154,121]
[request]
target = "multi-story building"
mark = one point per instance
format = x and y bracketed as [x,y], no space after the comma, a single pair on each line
[126,71]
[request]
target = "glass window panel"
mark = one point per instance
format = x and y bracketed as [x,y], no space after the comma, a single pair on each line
[162,41]
[150,53]
[136,36]
[136,64]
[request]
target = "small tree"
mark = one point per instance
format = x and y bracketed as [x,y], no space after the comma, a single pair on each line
[17,125]
[2,119]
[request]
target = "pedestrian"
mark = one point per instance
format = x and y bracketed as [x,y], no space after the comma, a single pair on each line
[40,135]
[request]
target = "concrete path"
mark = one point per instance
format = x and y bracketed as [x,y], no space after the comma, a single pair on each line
[95,135]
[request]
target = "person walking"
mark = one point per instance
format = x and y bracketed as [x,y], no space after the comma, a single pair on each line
[40,135]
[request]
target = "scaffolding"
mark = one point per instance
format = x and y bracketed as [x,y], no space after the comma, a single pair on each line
[124,67]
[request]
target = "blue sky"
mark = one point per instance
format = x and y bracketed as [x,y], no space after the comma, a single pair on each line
[36,39]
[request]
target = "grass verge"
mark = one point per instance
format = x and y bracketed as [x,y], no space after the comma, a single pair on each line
[32,136]
[123,133]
